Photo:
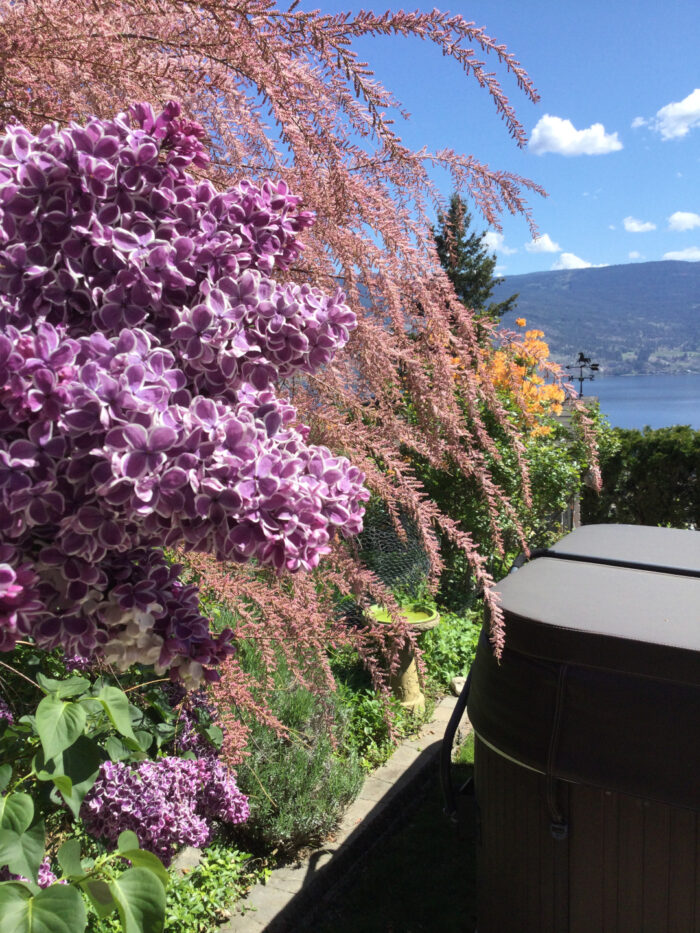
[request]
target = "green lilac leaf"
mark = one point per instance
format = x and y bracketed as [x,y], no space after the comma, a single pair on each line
[58,909]
[63,783]
[70,687]
[144,739]
[140,898]
[127,841]
[100,897]
[215,735]
[16,812]
[81,763]
[117,749]
[5,775]
[23,852]
[58,724]
[140,858]
[116,704]
[69,859]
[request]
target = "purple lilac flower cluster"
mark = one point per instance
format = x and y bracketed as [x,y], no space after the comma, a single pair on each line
[5,711]
[141,335]
[77,662]
[167,803]
[189,738]
[45,877]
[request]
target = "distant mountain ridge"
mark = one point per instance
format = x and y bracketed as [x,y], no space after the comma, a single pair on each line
[634,318]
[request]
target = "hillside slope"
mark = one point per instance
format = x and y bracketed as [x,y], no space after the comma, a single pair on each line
[634,318]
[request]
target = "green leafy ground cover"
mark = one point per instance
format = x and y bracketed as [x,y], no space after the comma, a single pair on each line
[200,899]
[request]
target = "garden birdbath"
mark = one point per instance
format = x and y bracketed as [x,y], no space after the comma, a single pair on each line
[404,682]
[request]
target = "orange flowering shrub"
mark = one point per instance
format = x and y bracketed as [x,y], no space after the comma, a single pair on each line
[521,367]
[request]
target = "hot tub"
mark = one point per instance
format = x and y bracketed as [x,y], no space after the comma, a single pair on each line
[587,752]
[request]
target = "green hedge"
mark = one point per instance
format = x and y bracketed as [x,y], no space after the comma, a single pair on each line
[650,477]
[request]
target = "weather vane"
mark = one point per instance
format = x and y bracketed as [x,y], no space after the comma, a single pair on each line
[583,362]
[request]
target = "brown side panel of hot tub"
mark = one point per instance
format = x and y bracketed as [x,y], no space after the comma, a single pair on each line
[627,866]
[634,865]
[519,872]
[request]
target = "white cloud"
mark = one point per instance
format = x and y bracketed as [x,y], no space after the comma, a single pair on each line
[677,118]
[552,134]
[632,225]
[691,254]
[570,261]
[633,254]
[683,220]
[542,244]
[637,122]
[495,241]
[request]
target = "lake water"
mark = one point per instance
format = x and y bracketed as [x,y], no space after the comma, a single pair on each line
[657,401]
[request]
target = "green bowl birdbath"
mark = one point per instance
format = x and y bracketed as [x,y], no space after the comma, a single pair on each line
[404,682]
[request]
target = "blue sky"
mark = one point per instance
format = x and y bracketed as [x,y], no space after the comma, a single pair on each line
[615,139]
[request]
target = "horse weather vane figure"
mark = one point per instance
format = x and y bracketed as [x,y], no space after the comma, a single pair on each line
[582,363]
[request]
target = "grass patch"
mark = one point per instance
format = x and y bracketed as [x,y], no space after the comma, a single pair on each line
[465,753]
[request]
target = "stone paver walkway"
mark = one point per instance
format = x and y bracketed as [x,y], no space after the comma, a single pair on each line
[293,893]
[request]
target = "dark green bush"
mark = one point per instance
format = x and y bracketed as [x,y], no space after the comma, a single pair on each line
[650,477]
[375,723]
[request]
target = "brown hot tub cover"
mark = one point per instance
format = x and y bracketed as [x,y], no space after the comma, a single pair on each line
[599,683]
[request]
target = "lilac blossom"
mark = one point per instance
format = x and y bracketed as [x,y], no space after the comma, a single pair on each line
[5,711]
[142,333]
[168,803]
[45,877]
[189,738]
[77,662]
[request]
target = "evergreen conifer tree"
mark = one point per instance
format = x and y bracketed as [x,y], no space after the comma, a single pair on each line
[468,263]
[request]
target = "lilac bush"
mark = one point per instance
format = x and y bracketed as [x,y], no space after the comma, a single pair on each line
[141,337]
[168,803]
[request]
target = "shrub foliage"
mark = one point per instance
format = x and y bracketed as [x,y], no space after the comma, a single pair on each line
[650,477]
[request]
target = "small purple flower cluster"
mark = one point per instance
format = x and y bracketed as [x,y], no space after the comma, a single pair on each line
[168,803]
[5,711]
[76,662]
[141,335]
[45,876]
[220,798]
[189,738]
[19,600]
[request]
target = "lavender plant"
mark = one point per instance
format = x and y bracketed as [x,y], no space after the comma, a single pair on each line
[141,335]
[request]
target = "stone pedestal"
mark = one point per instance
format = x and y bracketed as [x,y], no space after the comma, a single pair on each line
[404,683]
